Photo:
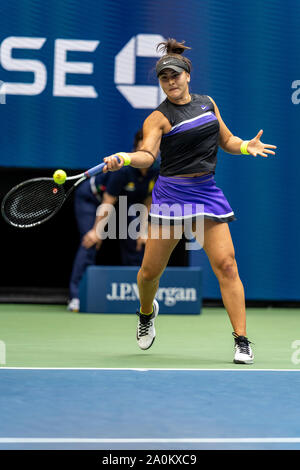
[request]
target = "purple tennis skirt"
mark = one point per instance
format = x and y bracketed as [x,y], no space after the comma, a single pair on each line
[176,199]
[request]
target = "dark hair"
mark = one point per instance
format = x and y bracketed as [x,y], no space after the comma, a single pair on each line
[137,138]
[173,48]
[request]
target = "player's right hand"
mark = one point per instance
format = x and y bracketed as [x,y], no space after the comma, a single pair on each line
[112,163]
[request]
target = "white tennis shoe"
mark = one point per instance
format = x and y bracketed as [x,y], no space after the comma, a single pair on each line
[145,333]
[73,305]
[243,352]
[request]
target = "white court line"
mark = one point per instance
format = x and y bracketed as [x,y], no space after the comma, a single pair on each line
[66,440]
[140,369]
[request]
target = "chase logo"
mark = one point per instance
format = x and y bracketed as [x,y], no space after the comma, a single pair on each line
[139,96]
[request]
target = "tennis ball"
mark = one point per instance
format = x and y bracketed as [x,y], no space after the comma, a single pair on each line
[60,176]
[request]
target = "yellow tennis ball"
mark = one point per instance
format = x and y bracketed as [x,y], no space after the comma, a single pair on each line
[60,176]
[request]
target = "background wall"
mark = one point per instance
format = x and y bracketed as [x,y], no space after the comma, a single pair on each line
[244,55]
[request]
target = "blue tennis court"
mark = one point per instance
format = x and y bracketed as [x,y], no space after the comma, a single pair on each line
[149,409]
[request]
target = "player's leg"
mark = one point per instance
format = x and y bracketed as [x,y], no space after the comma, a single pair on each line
[219,248]
[157,253]
[159,247]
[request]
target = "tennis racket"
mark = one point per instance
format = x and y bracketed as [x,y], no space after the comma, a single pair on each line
[37,200]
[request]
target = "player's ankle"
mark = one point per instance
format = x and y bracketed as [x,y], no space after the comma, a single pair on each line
[240,333]
[145,313]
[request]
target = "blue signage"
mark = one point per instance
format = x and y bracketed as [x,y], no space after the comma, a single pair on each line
[110,289]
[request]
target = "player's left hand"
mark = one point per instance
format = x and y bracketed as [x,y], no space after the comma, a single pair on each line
[256,147]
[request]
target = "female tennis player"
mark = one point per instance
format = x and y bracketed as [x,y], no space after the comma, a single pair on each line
[187,130]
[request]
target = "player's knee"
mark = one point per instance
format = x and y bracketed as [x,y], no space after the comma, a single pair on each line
[227,268]
[148,274]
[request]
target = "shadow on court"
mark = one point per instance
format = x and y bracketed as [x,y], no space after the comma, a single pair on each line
[172,361]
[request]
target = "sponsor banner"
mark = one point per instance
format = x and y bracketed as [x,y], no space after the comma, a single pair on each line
[111,289]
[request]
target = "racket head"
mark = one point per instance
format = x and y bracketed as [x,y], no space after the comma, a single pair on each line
[32,202]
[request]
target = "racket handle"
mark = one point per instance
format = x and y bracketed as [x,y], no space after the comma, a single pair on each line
[95,170]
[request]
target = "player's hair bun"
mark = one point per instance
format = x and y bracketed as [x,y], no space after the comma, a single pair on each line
[171,46]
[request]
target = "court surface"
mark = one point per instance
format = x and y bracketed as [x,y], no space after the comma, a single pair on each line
[79,381]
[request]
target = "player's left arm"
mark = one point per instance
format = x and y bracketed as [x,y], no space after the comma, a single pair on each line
[232,144]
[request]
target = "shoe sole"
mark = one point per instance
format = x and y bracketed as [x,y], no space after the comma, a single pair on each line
[145,349]
[243,362]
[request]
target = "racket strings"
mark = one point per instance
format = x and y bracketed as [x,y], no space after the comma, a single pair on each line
[33,202]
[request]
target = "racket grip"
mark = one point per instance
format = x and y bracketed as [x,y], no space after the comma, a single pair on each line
[95,170]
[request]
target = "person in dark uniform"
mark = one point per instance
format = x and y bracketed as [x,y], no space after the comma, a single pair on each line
[87,198]
[136,185]
[188,128]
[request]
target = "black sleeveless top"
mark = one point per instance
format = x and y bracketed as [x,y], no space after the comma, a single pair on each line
[191,145]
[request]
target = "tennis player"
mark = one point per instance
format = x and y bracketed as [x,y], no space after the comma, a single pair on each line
[187,130]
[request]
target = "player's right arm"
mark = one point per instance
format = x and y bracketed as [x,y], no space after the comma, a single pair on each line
[153,128]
